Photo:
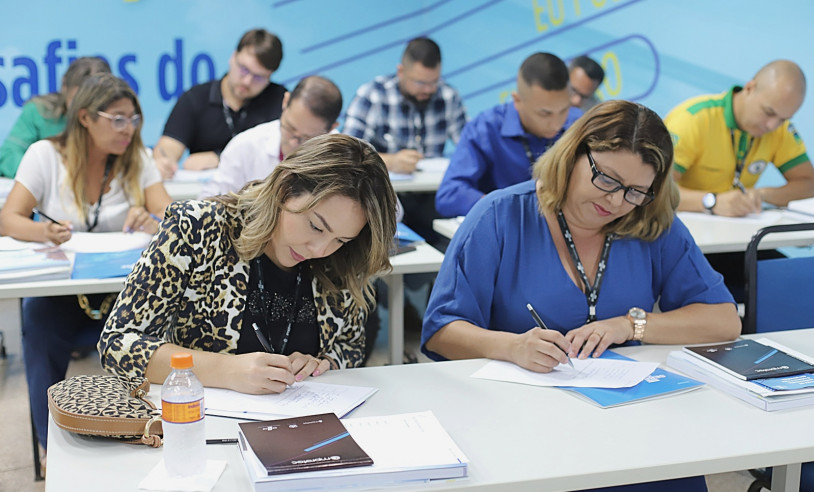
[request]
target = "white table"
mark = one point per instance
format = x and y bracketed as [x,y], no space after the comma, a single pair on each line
[423,260]
[712,234]
[519,437]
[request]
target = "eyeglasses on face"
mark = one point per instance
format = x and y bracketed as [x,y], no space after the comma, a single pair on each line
[575,92]
[607,184]
[291,134]
[256,78]
[119,122]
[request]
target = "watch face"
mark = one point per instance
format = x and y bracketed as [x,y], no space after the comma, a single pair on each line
[709,200]
[637,313]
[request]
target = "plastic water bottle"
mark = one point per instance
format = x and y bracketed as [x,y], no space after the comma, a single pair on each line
[182,413]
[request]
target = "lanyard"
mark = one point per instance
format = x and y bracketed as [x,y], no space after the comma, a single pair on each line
[740,156]
[527,148]
[108,167]
[291,315]
[227,115]
[591,291]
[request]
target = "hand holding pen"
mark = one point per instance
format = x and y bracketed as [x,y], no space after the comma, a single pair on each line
[55,231]
[543,326]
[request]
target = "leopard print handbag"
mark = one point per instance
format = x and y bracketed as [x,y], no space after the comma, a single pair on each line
[106,405]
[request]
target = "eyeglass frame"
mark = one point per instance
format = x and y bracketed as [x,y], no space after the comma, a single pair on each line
[243,71]
[574,92]
[293,137]
[648,196]
[117,120]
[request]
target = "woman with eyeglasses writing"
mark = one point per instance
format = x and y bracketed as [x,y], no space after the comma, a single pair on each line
[591,244]
[94,177]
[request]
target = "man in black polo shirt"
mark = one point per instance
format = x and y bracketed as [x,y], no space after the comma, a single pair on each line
[208,115]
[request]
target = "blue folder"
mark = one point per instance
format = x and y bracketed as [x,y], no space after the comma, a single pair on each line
[659,383]
[105,265]
[406,236]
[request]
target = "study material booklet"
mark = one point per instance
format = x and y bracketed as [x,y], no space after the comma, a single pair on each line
[658,384]
[25,265]
[763,396]
[105,265]
[750,359]
[405,448]
[300,444]
[302,398]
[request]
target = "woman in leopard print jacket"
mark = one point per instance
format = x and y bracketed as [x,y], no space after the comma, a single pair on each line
[267,286]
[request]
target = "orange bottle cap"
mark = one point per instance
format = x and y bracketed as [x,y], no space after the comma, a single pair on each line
[181,361]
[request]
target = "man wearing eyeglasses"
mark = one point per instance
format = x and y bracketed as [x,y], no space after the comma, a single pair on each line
[311,109]
[208,115]
[584,77]
[409,115]
[499,146]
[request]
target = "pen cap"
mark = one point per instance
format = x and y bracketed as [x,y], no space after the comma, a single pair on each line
[181,361]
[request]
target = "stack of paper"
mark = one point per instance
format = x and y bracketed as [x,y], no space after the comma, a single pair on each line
[303,398]
[24,265]
[411,447]
[768,394]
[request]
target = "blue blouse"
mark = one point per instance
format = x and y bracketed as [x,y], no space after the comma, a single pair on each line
[503,256]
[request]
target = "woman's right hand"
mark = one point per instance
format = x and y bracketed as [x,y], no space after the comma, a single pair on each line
[539,350]
[260,373]
[58,233]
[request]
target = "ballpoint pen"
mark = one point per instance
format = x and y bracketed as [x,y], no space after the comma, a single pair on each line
[262,338]
[539,321]
[39,212]
[221,441]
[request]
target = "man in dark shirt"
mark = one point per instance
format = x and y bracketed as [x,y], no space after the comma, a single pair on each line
[208,115]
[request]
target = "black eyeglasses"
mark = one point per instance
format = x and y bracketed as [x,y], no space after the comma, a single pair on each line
[119,122]
[610,185]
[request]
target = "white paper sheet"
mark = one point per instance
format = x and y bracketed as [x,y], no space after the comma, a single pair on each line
[763,219]
[189,176]
[304,398]
[588,373]
[433,165]
[106,242]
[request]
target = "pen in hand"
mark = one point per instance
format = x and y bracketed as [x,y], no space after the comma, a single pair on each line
[262,338]
[39,212]
[542,325]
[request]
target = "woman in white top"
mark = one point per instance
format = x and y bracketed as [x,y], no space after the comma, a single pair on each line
[93,177]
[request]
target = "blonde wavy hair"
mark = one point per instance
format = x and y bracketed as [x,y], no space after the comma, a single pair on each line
[614,126]
[95,94]
[325,166]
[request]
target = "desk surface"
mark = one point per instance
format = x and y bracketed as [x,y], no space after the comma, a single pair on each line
[712,234]
[517,437]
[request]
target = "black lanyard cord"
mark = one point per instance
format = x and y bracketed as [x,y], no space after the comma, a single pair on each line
[740,159]
[591,291]
[108,166]
[291,316]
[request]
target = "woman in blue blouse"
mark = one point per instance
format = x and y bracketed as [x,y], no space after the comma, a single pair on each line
[592,244]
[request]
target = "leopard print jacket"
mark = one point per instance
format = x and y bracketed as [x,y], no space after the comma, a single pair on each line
[189,288]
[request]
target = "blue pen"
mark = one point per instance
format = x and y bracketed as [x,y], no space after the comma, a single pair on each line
[155,218]
[771,353]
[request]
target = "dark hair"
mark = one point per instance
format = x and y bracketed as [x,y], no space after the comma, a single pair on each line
[546,71]
[613,126]
[422,50]
[56,103]
[592,69]
[267,47]
[321,96]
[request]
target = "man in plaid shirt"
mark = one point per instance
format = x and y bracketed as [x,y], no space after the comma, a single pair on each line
[409,115]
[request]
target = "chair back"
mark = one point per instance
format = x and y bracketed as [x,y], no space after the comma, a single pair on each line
[779,291]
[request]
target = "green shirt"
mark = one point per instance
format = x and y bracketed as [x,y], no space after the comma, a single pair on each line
[31,126]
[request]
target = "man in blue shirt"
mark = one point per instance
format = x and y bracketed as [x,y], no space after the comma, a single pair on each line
[498,148]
